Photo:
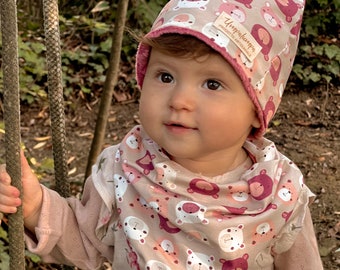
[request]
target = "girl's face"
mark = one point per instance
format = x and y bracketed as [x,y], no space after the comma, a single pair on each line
[197,110]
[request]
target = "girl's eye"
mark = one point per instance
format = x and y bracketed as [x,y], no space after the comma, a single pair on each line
[213,85]
[165,77]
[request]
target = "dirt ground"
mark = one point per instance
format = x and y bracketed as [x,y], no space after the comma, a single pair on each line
[306,129]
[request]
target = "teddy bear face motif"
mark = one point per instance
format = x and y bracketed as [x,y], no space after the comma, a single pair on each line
[203,187]
[156,265]
[234,11]
[231,239]
[190,212]
[264,232]
[135,229]
[134,142]
[216,35]
[271,18]
[238,263]
[261,186]
[166,176]
[200,4]
[121,185]
[199,261]
[181,20]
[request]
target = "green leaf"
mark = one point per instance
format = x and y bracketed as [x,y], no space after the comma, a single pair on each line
[4,261]
[46,165]
[4,256]
[318,50]
[85,89]
[105,46]
[101,6]
[306,48]
[34,258]
[334,68]
[101,28]
[311,30]
[3,233]
[300,71]
[2,130]
[38,47]
[331,51]
[276,122]
[315,77]
[327,78]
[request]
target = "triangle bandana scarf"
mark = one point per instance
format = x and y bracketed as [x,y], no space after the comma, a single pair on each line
[171,218]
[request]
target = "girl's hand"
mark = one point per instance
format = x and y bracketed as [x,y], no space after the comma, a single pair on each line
[32,194]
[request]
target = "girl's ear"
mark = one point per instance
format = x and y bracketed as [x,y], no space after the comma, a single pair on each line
[256,122]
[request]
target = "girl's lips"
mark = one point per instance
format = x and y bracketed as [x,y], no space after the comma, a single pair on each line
[178,128]
[176,124]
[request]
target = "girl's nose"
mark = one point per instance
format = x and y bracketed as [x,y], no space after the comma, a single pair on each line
[182,98]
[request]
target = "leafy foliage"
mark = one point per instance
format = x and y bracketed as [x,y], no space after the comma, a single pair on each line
[86,34]
[319,52]
[4,256]
[86,44]
[30,258]
[32,70]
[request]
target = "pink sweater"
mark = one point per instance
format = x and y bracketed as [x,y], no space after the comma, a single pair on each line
[68,236]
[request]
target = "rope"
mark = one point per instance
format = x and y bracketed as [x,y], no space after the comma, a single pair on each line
[55,93]
[12,123]
[56,99]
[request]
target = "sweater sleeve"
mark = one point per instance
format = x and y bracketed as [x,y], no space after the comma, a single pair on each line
[66,230]
[304,253]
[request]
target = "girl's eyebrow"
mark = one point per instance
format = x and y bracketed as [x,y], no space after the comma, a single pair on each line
[162,62]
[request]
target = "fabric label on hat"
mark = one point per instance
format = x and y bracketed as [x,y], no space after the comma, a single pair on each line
[239,35]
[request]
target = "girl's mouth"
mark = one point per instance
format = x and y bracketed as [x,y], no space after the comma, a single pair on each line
[178,128]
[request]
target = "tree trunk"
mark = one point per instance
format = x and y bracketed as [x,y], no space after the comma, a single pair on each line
[110,82]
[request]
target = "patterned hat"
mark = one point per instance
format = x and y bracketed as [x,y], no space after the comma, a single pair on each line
[258,38]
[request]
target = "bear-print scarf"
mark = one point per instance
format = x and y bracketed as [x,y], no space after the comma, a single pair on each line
[171,218]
